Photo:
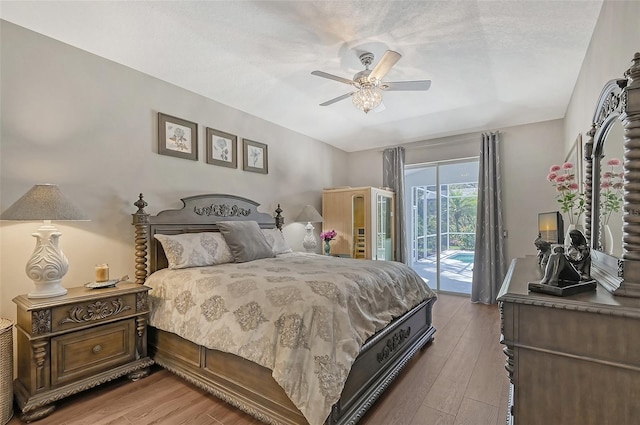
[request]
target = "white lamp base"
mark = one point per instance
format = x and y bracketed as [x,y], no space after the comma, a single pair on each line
[309,242]
[47,265]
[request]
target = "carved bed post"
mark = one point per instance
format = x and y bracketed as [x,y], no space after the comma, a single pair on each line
[141,223]
[279,218]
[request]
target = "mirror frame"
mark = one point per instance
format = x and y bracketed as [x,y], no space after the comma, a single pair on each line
[619,100]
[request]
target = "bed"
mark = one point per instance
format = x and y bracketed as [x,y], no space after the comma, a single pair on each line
[370,350]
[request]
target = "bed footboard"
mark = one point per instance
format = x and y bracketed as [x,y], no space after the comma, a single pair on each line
[250,387]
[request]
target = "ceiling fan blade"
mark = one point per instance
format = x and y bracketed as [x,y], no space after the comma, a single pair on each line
[332,77]
[337,99]
[388,60]
[406,85]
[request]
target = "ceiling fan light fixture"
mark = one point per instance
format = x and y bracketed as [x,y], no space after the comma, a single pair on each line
[367,98]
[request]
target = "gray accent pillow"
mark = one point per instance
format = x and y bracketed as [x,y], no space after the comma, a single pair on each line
[246,241]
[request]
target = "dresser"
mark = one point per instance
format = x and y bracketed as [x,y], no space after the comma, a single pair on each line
[571,360]
[363,219]
[70,343]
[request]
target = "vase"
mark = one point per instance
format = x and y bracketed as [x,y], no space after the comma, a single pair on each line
[567,238]
[327,248]
[607,239]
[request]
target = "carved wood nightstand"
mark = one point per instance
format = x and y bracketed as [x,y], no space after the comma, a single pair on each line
[74,342]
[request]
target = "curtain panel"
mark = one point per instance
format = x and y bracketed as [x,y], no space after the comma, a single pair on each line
[489,266]
[393,177]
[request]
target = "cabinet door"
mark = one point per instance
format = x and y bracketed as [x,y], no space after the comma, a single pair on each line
[384,227]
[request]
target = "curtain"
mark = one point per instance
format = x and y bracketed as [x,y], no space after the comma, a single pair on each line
[489,263]
[393,177]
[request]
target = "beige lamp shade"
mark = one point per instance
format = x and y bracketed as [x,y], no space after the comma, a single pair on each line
[309,215]
[43,202]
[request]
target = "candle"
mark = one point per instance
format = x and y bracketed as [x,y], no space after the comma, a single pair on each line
[102,272]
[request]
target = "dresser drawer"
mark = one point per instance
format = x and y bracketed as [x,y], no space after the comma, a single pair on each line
[90,313]
[90,351]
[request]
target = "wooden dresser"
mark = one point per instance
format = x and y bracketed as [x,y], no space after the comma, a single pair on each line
[70,343]
[571,360]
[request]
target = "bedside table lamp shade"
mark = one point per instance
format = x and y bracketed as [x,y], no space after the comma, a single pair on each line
[47,265]
[309,215]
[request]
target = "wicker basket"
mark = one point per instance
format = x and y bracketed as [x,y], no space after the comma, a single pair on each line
[6,370]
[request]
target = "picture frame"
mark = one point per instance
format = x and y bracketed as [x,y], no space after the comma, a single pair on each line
[575,156]
[221,148]
[177,137]
[255,156]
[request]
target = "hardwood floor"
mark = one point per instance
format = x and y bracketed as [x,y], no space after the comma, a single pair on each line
[458,380]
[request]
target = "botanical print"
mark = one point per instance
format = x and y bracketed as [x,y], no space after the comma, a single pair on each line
[178,137]
[221,148]
[255,157]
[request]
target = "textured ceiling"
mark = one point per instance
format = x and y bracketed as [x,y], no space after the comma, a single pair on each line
[492,63]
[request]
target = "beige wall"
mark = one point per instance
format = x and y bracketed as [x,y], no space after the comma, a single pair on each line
[89,125]
[615,40]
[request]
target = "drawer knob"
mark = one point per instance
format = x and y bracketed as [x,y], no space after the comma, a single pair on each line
[97,349]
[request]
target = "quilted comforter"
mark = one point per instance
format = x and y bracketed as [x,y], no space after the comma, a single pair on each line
[303,316]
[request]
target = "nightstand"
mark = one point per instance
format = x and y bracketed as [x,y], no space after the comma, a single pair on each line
[77,341]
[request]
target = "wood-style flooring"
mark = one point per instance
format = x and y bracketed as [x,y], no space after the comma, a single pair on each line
[457,380]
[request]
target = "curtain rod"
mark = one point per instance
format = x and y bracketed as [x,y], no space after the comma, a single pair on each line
[426,144]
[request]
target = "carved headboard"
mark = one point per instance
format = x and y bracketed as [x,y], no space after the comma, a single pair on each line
[199,213]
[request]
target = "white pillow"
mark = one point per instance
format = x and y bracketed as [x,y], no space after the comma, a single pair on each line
[195,249]
[276,240]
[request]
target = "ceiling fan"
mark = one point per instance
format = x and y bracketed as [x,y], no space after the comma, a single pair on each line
[369,84]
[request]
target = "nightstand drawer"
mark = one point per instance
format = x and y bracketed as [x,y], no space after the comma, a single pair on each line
[91,351]
[92,312]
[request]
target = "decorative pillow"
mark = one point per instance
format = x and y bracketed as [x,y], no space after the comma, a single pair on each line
[276,241]
[195,249]
[246,240]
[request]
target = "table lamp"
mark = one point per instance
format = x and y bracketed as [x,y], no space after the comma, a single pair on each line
[47,265]
[309,215]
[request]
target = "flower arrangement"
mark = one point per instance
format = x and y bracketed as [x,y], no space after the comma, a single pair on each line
[328,236]
[611,185]
[571,200]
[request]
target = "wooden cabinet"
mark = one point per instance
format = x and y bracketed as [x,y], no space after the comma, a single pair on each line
[76,341]
[571,360]
[363,219]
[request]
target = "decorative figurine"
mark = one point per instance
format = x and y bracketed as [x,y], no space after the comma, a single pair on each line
[565,273]
[544,250]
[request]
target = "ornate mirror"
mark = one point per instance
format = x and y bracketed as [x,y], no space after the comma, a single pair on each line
[612,176]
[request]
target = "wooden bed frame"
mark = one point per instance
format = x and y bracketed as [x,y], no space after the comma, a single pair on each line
[242,383]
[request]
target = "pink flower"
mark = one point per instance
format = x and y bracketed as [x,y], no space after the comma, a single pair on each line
[605,185]
[564,180]
[607,175]
[328,236]
[613,162]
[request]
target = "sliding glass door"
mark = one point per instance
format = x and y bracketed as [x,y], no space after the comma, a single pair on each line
[441,222]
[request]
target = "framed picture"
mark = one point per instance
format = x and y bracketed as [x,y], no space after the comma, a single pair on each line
[222,148]
[177,137]
[575,156]
[255,157]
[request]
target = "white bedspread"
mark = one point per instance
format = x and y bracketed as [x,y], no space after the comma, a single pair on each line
[304,316]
